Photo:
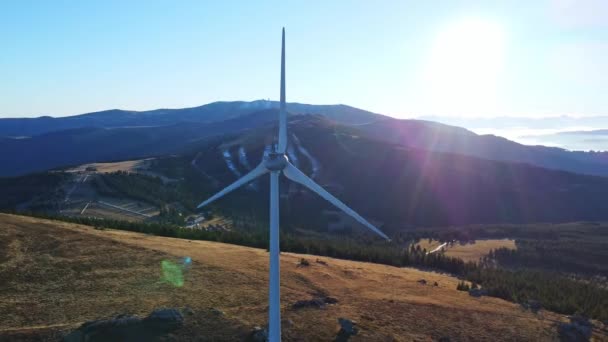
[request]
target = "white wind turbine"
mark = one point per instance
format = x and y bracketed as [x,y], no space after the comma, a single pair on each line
[276,163]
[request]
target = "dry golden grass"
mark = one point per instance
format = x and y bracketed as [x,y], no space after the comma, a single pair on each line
[127,165]
[54,276]
[476,250]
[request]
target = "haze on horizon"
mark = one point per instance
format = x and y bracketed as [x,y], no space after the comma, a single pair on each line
[404,59]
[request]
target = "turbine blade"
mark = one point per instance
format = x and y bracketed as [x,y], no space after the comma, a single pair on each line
[283,106]
[255,173]
[298,176]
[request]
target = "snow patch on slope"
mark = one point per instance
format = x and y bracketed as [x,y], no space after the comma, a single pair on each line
[230,163]
[243,158]
[316,166]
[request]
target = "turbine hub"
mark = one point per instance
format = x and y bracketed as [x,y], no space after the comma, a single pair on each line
[276,161]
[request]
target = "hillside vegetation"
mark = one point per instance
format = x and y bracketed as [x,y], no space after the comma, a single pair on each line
[54,276]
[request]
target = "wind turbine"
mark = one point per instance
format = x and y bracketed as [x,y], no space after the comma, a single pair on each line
[277,163]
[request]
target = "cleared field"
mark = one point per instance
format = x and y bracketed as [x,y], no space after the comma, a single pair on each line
[128,206]
[80,192]
[55,275]
[428,244]
[217,220]
[110,208]
[474,251]
[100,211]
[127,165]
[469,251]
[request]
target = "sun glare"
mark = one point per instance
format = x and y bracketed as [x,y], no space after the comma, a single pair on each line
[465,64]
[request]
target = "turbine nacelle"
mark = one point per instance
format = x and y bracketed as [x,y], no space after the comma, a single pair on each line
[276,161]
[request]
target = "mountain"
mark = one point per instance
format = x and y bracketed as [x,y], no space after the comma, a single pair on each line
[32,145]
[209,113]
[403,186]
[443,138]
[592,132]
[84,145]
[587,140]
[397,184]
[559,122]
[539,131]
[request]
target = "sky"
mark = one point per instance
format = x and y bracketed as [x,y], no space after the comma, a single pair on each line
[400,58]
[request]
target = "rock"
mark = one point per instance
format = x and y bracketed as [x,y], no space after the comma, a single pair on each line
[572,333]
[477,292]
[304,262]
[422,281]
[315,303]
[319,261]
[330,300]
[318,302]
[259,334]
[122,327]
[128,328]
[286,323]
[164,320]
[368,318]
[474,293]
[534,306]
[435,284]
[217,312]
[348,328]
[579,329]
[581,320]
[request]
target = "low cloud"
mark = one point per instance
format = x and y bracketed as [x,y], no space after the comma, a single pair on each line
[579,14]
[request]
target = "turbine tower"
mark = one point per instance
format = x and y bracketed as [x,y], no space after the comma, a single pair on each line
[277,163]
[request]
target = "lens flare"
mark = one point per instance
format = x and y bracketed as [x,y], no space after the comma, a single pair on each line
[172,273]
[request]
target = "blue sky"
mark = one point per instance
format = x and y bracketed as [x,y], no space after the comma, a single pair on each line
[401,58]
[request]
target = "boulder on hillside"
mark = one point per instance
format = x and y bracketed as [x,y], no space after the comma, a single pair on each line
[319,302]
[348,328]
[304,263]
[217,312]
[128,328]
[259,334]
[330,300]
[164,320]
[532,305]
[579,329]
[478,292]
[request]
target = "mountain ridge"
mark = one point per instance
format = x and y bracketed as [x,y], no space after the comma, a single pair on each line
[157,132]
[208,113]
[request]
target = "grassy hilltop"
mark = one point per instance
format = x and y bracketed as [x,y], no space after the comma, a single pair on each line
[54,276]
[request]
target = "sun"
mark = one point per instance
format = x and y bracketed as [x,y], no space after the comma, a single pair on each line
[465,64]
